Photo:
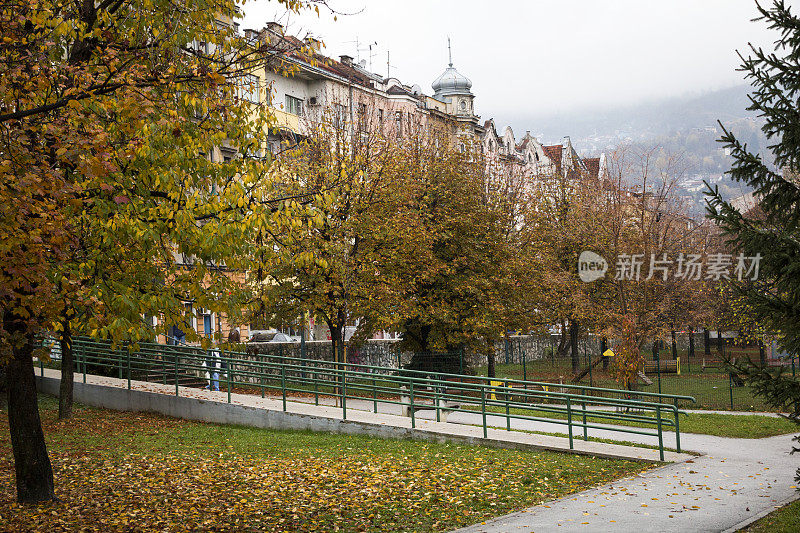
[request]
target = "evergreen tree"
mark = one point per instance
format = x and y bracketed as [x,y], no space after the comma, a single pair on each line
[772,230]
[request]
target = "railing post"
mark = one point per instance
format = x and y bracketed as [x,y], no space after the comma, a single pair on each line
[730,387]
[660,434]
[583,405]
[374,396]
[569,421]
[483,409]
[658,369]
[411,402]
[524,367]
[229,376]
[83,353]
[508,409]
[261,373]
[176,374]
[344,395]
[129,369]
[677,430]
[436,402]
[283,384]
[316,388]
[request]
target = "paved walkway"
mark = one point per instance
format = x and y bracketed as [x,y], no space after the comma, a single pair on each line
[733,482]
[737,481]
[360,412]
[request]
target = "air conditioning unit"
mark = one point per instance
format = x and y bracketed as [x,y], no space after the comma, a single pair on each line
[312,100]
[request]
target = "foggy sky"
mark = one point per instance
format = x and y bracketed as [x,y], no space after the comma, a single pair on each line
[535,57]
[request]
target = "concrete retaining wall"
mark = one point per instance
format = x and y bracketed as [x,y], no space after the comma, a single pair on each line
[231,414]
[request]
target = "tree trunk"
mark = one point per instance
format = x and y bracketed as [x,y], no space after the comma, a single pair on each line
[573,339]
[3,391]
[603,348]
[691,344]
[67,373]
[336,346]
[720,347]
[762,354]
[34,473]
[706,341]
[674,347]
[490,371]
[563,342]
[655,351]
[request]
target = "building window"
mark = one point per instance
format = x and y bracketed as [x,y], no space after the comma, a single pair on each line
[339,115]
[380,117]
[294,105]
[362,116]
[249,88]
[398,118]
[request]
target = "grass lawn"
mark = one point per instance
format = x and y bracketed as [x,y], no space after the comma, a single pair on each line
[720,425]
[784,520]
[711,388]
[119,471]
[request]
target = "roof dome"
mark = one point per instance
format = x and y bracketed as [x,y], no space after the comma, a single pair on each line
[451,82]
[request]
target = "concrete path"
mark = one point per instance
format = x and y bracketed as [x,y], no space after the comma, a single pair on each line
[735,482]
[359,413]
[732,483]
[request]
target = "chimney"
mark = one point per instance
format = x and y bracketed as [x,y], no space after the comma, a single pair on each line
[250,34]
[275,27]
[347,60]
[527,133]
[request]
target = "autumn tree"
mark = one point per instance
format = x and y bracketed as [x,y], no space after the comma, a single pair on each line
[568,211]
[455,280]
[641,228]
[110,112]
[344,165]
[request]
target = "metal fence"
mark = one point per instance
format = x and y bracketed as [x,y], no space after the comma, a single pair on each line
[578,407]
[702,375]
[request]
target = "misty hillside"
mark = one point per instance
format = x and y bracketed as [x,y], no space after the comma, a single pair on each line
[685,126]
[641,121]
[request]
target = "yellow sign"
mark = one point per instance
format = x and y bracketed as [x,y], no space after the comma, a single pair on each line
[608,353]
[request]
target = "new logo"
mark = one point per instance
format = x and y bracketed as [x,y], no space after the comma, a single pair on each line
[591,266]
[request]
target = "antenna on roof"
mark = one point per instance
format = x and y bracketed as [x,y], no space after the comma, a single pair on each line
[360,49]
[449,51]
[388,66]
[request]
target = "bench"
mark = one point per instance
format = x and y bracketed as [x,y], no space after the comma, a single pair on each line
[445,407]
[713,363]
[667,366]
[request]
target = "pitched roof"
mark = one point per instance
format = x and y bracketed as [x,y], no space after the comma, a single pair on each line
[396,89]
[593,166]
[554,153]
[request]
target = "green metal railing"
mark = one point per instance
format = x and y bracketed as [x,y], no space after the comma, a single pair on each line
[576,407]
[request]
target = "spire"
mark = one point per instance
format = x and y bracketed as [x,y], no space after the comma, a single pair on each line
[451,81]
[449,51]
